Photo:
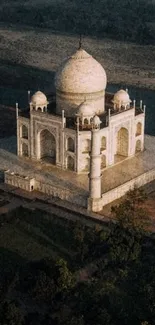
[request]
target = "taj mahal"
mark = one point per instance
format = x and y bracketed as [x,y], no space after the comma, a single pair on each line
[84,132]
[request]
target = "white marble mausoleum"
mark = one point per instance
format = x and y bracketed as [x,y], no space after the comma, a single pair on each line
[81,127]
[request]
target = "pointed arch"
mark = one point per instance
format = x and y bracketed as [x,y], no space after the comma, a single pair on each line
[138,128]
[47,144]
[86,122]
[122,142]
[70,145]
[103,143]
[24,132]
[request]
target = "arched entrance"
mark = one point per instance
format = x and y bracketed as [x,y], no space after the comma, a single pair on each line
[47,146]
[70,163]
[138,146]
[122,142]
[86,122]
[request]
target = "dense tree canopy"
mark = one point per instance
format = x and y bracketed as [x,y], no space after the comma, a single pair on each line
[118,259]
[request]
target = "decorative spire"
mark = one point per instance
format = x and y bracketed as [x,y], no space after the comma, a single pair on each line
[80,42]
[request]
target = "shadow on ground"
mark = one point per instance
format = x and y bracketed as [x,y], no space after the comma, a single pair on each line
[9,144]
[16,79]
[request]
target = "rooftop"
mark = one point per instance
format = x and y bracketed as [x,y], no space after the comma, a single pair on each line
[71,121]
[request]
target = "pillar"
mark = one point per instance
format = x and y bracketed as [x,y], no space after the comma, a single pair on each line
[95,166]
[18,132]
[63,140]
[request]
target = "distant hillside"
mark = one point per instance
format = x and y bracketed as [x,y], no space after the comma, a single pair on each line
[118,19]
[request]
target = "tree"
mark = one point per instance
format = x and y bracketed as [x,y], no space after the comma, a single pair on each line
[10,314]
[65,279]
[90,302]
[126,235]
[80,240]
[130,214]
[46,279]
[44,287]
[75,320]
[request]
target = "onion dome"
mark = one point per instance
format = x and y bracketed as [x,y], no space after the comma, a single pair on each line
[86,109]
[80,74]
[39,98]
[121,98]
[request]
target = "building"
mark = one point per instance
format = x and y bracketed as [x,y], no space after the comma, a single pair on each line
[81,127]
[62,133]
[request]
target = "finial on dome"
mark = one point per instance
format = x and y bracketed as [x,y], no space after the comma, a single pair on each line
[80,42]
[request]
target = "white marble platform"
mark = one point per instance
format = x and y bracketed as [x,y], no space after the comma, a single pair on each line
[111,177]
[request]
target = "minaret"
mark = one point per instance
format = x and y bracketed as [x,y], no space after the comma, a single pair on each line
[18,130]
[95,161]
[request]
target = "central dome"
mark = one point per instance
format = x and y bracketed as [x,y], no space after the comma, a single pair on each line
[80,74]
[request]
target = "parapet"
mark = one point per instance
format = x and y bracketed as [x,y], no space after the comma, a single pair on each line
[22,181]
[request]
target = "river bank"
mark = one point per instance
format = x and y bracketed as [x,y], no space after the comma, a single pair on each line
[32,55]
[29,59]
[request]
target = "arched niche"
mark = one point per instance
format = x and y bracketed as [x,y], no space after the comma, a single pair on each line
[24,150]
[103,143]
[122,142]
[70,145]
[24,132]
[138,128]
[47,146]
[86,122]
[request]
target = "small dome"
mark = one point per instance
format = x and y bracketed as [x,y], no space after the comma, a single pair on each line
[86,109]
[96,120]
[122,97]
[80,74]
[39,98]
